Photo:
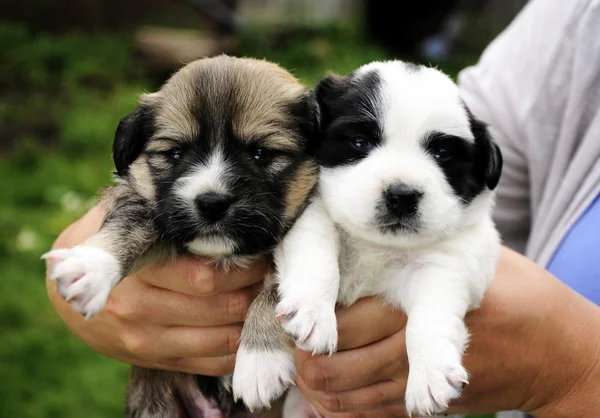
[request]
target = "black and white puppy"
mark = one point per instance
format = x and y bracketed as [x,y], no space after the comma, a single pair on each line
[403,211]
[216,163]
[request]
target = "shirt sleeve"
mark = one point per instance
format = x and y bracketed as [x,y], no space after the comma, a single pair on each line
[503,90]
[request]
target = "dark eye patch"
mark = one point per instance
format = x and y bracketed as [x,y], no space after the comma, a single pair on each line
[264,156]
[347,140]
[448,149]
[164,153]
[456,158]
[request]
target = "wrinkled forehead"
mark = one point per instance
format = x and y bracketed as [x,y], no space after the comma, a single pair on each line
[250,100]
[413,101]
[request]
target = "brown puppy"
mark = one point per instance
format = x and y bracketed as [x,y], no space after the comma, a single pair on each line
[217,163]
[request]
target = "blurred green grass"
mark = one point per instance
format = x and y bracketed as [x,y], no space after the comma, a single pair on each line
[61,98]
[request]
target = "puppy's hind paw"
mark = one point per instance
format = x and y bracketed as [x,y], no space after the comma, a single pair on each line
[84,276]
[313,325]
[262,377]
[430,393]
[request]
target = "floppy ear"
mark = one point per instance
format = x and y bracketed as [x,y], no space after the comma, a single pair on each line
[131,136]
[327,94]
[306,112]
[488,156]
[313,121]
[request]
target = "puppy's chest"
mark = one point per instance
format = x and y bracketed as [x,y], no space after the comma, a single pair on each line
[368,271]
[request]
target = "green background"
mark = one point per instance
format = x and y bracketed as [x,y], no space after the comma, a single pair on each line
[61,97]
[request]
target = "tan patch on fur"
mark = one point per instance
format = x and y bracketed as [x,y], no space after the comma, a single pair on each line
[161,145]
[173,118]
[142,179]
[300,187]
[263,109]
[257,105]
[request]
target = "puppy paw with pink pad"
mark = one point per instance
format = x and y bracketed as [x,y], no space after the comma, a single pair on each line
[430,388]
[312,324]
[84,276]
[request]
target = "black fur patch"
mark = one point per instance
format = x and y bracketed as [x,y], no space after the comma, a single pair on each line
[131,136]
[348,108]
[488,158]
[471,167]
[459,166]
[211,388]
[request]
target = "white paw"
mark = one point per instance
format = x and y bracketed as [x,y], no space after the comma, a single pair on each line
[262,377]
[432,385]
[311,323]
[84,277]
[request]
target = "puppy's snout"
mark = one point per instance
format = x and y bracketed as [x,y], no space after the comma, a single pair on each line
[213,206]
[402,200]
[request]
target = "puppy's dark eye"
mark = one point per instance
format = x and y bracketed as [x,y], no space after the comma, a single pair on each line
[442,153]
[361,143]
[175,153]
[263,155]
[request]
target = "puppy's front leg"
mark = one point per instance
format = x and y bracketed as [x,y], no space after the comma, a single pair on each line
[309,279]
[436,301]
[86,273]
[264,366]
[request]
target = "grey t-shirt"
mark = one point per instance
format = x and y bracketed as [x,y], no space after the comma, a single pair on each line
[538,87]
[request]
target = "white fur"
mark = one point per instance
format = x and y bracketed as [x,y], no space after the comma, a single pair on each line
[84,276]
[212,246]
[435,275]
[312,319]
[205,178]
[262,377]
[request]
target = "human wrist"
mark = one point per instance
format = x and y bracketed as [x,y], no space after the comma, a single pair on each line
[572,379]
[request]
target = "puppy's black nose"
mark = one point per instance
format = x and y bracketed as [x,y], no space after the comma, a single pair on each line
[213,206]
[402,200]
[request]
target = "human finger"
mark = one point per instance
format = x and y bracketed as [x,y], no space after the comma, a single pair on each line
[197,277]
[164,343]
[356,323]
[369,398]
[352,369]
[135,301]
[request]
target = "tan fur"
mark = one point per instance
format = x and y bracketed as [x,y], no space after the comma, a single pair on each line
[161,145]
[300,187]
[142,180]
[262,91]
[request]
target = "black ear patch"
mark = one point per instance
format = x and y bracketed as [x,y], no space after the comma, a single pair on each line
[328,93]
[349,107]
[131,136]
[488,158]
[305,113]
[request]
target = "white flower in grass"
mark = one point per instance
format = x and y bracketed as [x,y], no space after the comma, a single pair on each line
[27,240]
[71,202]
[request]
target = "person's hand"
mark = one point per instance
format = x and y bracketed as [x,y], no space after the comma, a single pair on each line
[182,316]
[535,347]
